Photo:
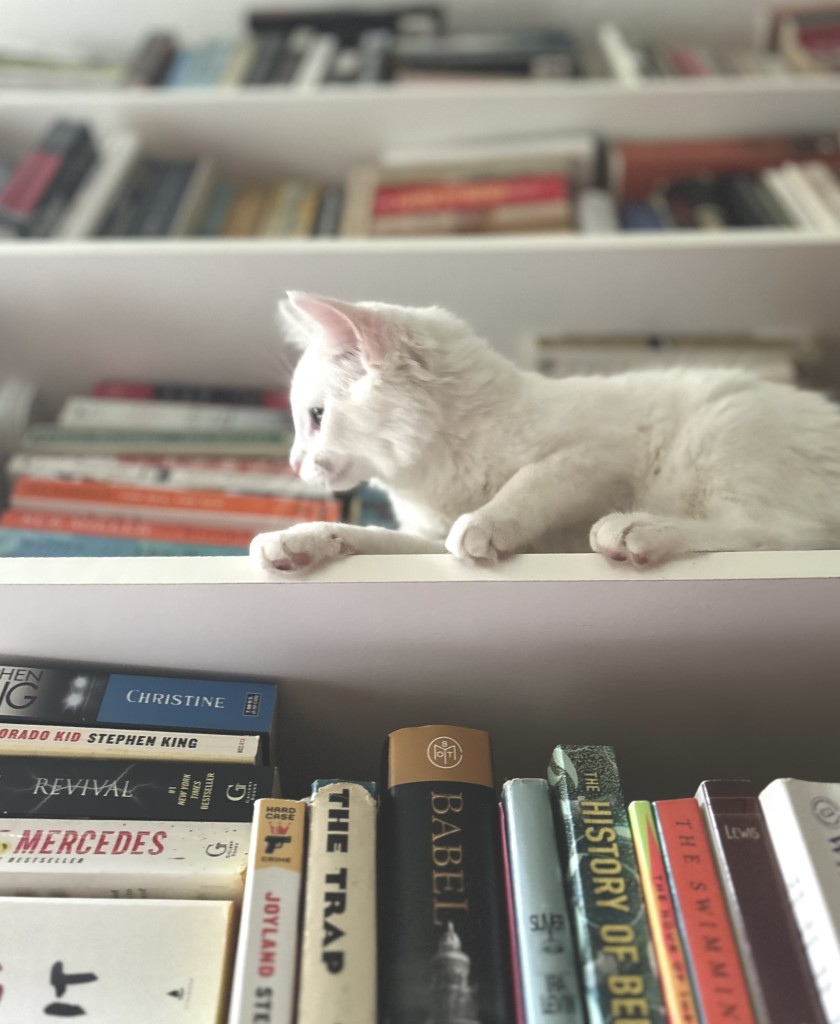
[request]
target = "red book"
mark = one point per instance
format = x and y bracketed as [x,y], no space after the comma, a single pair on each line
[720,987]
[481,193]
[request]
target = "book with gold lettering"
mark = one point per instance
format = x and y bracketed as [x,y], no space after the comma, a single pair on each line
[443,935]
[265,967]
[337,977]
[619,969]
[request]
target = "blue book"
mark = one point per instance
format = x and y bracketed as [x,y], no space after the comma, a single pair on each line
[544,940]
[640,216]
[45,544]
[66,694]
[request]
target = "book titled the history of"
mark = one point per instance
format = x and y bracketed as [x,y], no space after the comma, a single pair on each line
[662,917]
[775,966]
[68,694]
[613,937]
[123,859]
[544,939]
[81,787]
[337,978]
[132,961]
[112,741]
[803,822]
[443,934]
[265,968]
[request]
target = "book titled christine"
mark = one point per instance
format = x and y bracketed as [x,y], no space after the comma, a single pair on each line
[77,694]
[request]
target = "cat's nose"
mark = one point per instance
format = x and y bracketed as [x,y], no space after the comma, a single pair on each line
[295,463]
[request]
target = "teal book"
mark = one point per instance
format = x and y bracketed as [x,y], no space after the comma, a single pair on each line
[544,942]
[618,965]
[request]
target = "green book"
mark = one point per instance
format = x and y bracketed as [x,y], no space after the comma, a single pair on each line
[620,976]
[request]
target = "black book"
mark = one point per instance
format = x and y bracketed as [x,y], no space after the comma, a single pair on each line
[443,921]
[90,787]
[269,53]
[349,23]
[749,204]
[128,206]
[171,181]
[151,62]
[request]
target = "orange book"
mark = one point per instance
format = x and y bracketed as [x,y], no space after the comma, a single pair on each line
[712,952]
[213,508]
[479,193]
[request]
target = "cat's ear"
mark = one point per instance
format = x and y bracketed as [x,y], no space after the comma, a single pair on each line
[344,326]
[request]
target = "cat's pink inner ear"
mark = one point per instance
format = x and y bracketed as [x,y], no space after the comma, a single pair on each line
[347,326]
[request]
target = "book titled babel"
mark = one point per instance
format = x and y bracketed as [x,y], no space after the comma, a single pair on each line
[803,821]
[775,966]
[619,970]
[123,859]
[80,787]
[265,967]
[337,978]
[69,694]
[442,922]
[131,961]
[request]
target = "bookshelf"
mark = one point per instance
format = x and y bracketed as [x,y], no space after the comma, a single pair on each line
[725,664]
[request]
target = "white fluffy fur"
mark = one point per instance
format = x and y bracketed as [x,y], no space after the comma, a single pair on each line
[484,460]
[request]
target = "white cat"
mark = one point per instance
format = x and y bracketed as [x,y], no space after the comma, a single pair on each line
[484,460]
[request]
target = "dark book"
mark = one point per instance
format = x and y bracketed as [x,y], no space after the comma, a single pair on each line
[640,216]
[167,191]
[748,203]
[176,391]
[42,185]
[90,787]
[328,218]
[78,694]
[150,64]
[376,55]
[512,52]
[269,53]
[443,929]
[128,206]
[775,965]
[349,23]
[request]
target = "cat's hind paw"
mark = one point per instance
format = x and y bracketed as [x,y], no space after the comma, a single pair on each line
[478,537]
[636,537]
[299,547]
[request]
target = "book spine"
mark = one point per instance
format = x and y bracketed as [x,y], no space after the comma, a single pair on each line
[123,859]
[337,977]
[48,437]
[43,544]
[157,413]
[265,966]
[547,958]
[173,391]
[670,953]
[775,965]
[803,821]
[77,787]
[113,742]
[435,197]
[712,954]
[443,933]
[614,942]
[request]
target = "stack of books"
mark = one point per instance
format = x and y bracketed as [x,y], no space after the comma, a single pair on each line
[140,468]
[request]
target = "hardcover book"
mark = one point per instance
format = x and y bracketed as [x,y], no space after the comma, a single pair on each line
[775,965]
[80,787]
[619,969]
[265,968]
[442,922]
[337,979]
[132,961]
[545,947]
[123,859]
[712,955]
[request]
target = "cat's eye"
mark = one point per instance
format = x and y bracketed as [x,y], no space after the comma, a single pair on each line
[316,415]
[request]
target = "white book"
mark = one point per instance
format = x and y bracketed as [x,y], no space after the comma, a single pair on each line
[818,213]
[825,183]
[624,62]
[788,197]
[123,859]
[110,741]
[91,413]
[118,152]
[265,968]
[316,61]
[596,211]
[132,961]
[803,820]
[338,979]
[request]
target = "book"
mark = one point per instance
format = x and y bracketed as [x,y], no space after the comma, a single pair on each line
[81,787]
[220,509]
[133,961]
[337,978]
[75,694]
[48,437]
[129,203]
[544,941]
[123,859]
[803,822]
[246,210]
[151,61]
[46,544]
[186,391]
[106,741]
[774,960]
[118,152]
[720,987]
[662,916]
[618,967]
[265,966]
[106,413]
[442,925]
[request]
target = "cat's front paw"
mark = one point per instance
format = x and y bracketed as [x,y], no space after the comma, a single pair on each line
[303,546]
[636,537]
[479,537]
